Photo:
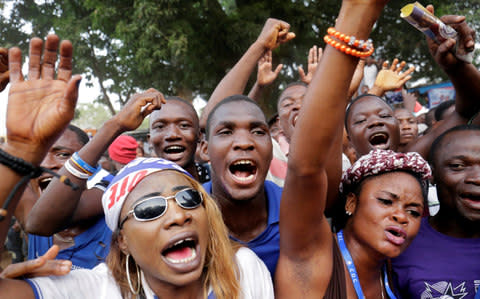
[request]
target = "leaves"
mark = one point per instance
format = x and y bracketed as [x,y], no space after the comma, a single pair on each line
[185,47]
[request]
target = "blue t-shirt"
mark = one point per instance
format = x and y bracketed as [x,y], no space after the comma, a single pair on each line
[90,249]
[438,266]
[267,244]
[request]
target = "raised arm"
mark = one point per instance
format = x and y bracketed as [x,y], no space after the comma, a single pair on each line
[465,79]
[306,238]
[274,33]
[60,206]
[38,110]
[4,73]
[464,76]
[265,75]
[391,78]
[314,56]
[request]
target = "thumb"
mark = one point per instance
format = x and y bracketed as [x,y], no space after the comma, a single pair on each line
[301,72]
[278,69]
[71,94]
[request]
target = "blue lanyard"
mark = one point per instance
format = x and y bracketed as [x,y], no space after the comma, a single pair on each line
[353,272]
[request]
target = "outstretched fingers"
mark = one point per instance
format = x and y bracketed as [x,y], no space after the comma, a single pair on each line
[35,58]
[65,66]
[50,57]
[69,100]
[15,65]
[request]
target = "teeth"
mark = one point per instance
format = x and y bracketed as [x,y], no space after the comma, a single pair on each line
[185,260]
[174,147]
[181,241]
[243,162]
[45,180]
[244,179]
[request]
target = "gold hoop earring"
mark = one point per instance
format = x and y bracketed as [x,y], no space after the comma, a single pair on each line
[135,292]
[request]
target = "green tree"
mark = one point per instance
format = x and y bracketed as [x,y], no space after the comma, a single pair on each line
[184,47]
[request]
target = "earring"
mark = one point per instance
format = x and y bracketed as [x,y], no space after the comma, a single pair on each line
[348,213]
[135,292]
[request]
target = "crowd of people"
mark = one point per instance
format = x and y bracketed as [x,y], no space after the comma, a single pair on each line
[337,195]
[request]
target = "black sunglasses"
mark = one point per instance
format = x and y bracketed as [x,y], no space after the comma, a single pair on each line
[154,207]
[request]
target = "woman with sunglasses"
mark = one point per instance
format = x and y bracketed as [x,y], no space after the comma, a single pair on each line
[169,241]
[383,191]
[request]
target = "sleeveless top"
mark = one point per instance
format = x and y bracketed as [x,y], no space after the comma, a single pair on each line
[337,287]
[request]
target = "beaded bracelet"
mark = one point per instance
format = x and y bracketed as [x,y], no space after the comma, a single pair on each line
[27,171]
[76,173]
[358,44]
[346,49]
[82,164]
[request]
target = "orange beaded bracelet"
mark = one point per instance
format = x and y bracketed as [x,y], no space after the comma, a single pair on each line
[351,40]
[346,49]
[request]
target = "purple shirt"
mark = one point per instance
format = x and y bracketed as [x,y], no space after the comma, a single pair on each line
[438,266]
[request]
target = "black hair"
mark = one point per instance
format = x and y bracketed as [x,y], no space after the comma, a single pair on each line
[347,112]
[230,99]
[179,99]
[438,141]
[296,83]
[340,218]
[272,120]
[440,109]
[81,135]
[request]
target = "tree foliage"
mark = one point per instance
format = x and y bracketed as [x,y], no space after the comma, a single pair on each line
[184,47]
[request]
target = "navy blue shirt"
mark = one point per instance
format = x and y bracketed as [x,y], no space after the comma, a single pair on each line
[90,249]
[267,244]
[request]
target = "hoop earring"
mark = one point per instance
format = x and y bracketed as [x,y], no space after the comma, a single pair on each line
[135,292]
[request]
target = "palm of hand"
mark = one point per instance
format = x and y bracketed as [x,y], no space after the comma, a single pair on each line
[265,74]
[36,111]
[388,80]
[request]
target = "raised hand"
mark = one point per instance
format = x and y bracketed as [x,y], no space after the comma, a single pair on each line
[391,78]
[4,73]
[314,56]
[137,108]
[442,52]
[357,78]
[43,266]
[41,107]
[265,74]
[409,100]
[274,33]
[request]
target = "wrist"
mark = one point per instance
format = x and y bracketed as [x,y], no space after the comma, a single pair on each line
[376,90]
[28,152]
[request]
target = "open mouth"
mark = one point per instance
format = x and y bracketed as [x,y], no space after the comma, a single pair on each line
[181,252]
[472,200]
[294,121]
[43,183]
[379,140]
[174,149]
[470,196]
[395,235]
[243,171]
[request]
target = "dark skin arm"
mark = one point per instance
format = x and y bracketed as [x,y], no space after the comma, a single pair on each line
[464,77]
[274,33]
[51,103]
[4,73]
[306,237]
[60,206]
[265,75]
